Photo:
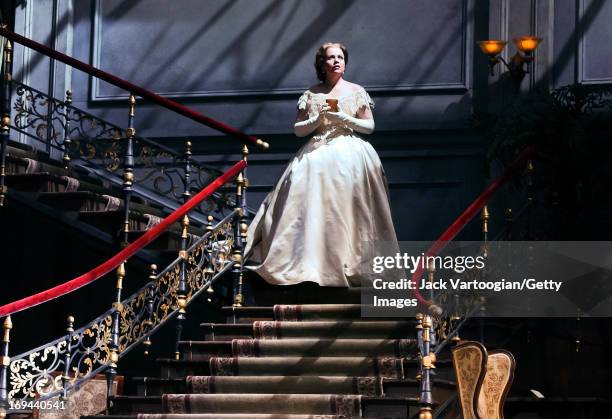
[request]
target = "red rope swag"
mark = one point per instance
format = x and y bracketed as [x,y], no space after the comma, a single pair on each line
[112,263]
[469,213]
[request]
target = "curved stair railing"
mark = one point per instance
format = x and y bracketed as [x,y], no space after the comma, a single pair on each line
[148,168]
[59,366]
[64,364]
[95,146]
[437,328]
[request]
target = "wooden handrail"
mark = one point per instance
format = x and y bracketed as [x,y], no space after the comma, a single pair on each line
[134,89]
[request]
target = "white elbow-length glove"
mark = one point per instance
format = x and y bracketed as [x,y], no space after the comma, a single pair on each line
[303,128]
[364,126]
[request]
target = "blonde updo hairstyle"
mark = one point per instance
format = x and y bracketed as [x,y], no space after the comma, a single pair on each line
[320,58]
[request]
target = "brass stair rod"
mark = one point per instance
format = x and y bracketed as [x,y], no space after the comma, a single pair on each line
[128,181]
[67,143]
[6,117]
[240,230]
[67,357]
[181,294]
[113,345]
[427,361]
[5,361]
[128,170]
[149,308]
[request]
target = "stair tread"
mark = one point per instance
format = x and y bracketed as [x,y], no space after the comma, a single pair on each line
[254,395]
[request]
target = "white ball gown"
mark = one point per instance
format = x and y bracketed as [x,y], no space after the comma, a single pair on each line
[331,199]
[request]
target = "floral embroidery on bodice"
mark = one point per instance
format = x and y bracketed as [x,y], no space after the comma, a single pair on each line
[349,104]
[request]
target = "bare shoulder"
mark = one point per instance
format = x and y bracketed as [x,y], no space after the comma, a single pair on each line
[354,87]
[316,88]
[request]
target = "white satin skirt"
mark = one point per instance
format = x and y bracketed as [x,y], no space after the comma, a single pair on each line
[331,200]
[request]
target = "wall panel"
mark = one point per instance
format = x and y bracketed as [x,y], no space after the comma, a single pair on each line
[216,49]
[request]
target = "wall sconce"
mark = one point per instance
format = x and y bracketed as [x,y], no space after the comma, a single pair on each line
[525,45]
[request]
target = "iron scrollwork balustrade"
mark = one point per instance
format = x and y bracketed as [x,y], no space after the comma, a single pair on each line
[97,143]
[38,373]
[32,113]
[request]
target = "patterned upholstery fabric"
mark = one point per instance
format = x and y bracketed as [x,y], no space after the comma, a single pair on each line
[497,381]
[470,360]
[483,380]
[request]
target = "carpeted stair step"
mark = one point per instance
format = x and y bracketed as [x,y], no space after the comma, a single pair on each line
[296,312]
[156,386]
[312,366]
[305,293]
[233,416]
[203,350]
[319,404]
[348,406]
[126,405]
[226,332]
[334,329]
[311,329]
[299,312]
[109,220]
[364,386]
[81,201]
[247,315]
[171,368]
[41,182]
[326,404]
[349,366]
[113,417]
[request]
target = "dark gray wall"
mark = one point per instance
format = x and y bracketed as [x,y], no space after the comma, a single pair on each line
[246,63]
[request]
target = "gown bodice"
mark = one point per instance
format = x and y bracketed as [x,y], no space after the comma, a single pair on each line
[349,104]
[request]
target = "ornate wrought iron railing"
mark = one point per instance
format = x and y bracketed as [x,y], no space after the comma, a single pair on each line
[57,367]
[138,166]
[79,138]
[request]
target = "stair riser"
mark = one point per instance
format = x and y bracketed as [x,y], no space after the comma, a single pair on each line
[271,297]
[34,185]
[300,348]
[183,370]
[311,330]
[130,407]
[364,386]
[359,367]
[390,389]
[157,388]
[314,405]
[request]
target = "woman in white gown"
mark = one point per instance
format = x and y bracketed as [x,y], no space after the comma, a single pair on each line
[332,197]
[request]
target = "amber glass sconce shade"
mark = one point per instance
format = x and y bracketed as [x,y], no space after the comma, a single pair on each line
[492,48]
[527,44]
[519,64]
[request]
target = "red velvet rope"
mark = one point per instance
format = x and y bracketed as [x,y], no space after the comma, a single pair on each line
[112,263]
[468,214]
[130,87]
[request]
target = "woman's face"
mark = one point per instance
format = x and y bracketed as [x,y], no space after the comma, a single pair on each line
[334,62]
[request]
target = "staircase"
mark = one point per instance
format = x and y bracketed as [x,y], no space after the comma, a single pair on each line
[313,356]
[289,362]
[92,206]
